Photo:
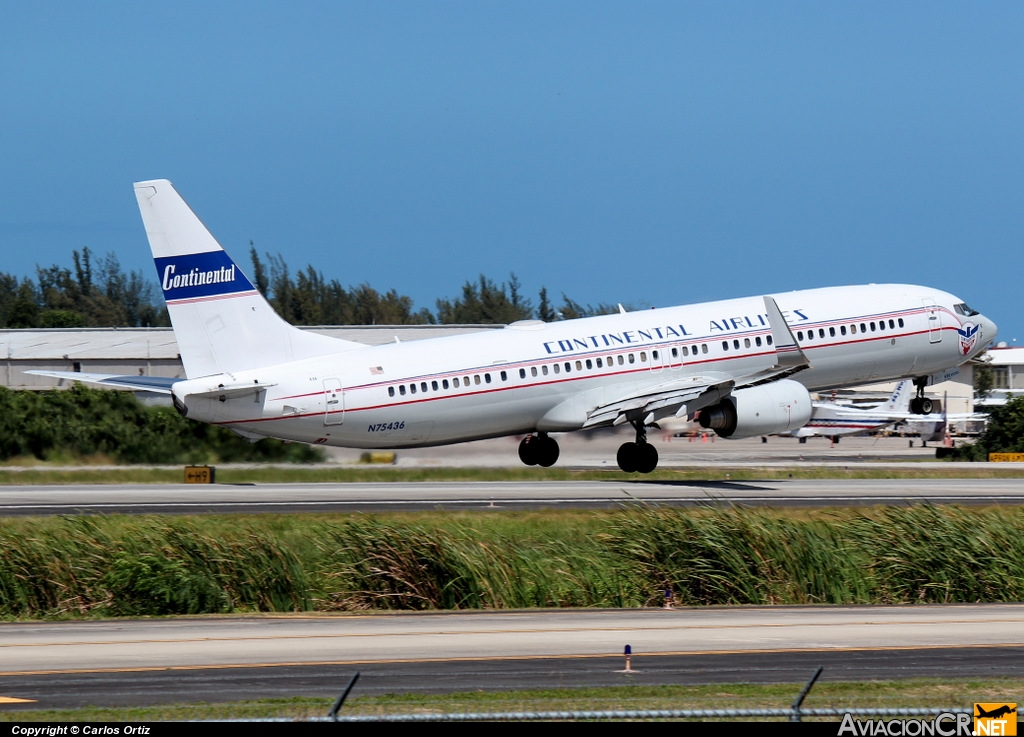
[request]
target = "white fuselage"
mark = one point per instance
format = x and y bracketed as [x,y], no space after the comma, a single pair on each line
[548,376]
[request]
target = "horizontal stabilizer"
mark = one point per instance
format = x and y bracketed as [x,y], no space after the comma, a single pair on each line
[158,384]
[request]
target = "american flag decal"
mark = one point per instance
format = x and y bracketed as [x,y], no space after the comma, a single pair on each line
[376,370]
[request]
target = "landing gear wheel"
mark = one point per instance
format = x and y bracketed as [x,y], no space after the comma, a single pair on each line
[547,453]
[921,405]
[646,457]
[538,450]
[627,457]
[640,456]
[528,448]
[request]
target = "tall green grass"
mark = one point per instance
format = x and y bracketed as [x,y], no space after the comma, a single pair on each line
[129,566]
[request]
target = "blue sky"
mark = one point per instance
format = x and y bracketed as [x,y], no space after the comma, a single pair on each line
[649,153]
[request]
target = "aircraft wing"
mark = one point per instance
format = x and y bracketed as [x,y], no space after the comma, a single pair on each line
[688,394]
[158,384]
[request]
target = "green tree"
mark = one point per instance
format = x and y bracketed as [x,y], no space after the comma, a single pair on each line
[1004,433]
[485,302]
[544,310]
[984,380]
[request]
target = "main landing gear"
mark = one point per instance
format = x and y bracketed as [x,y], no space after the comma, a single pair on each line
[638,457]
[921,405]
[538,450]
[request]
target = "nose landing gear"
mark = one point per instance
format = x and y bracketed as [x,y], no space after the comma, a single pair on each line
[921,405]
[538,450]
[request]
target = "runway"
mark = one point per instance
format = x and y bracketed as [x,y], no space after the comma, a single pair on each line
[227,659]
[494,495]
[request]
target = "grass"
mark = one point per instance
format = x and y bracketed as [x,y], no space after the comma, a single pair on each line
[75,567]
[910,693]
[18,474]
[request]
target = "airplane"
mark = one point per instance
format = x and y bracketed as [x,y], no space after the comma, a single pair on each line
[833,420]
[742,367]
[1001,711]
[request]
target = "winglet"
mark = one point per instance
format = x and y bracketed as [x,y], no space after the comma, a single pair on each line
[787,352]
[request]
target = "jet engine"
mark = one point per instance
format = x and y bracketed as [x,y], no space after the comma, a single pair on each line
[760,410]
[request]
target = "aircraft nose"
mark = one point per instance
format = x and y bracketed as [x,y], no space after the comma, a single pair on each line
[989,331]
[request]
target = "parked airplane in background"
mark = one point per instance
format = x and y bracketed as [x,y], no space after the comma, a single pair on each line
[743,366]
[832,419]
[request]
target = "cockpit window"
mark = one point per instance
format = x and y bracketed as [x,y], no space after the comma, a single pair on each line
[963,309]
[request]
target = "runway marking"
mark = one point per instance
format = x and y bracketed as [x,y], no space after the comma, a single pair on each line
[480,659]
[511,631]
[12,700]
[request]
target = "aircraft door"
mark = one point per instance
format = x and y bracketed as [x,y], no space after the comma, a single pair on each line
[658,359]
[934,321]
[334,402]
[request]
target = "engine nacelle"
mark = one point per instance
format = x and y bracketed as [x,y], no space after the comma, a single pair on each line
[760,410]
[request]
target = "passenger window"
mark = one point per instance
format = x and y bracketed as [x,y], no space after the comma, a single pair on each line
[401,390]
[842,330]
[433,385]
[736,344]
[675,353]
[821,332]
[632,358]
[556,368]
[769,340]
[590,365]
[746,342]
[620,359]
[704,348]
[757,340]
[465,381]
[599,364]
[423,386]
[522,373]
[725,345]
[892,325]
[487,378]
[579,365]
[476,379]
[853,329]
[901,322]
[686,350]
[544,370]
[863,328]
[832,332]
[654,355]
[872,327]
[568,367]
[643,356]
[533,371]
[800,335]
[391,391]
[504,376]
[412,388]
[444,383]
